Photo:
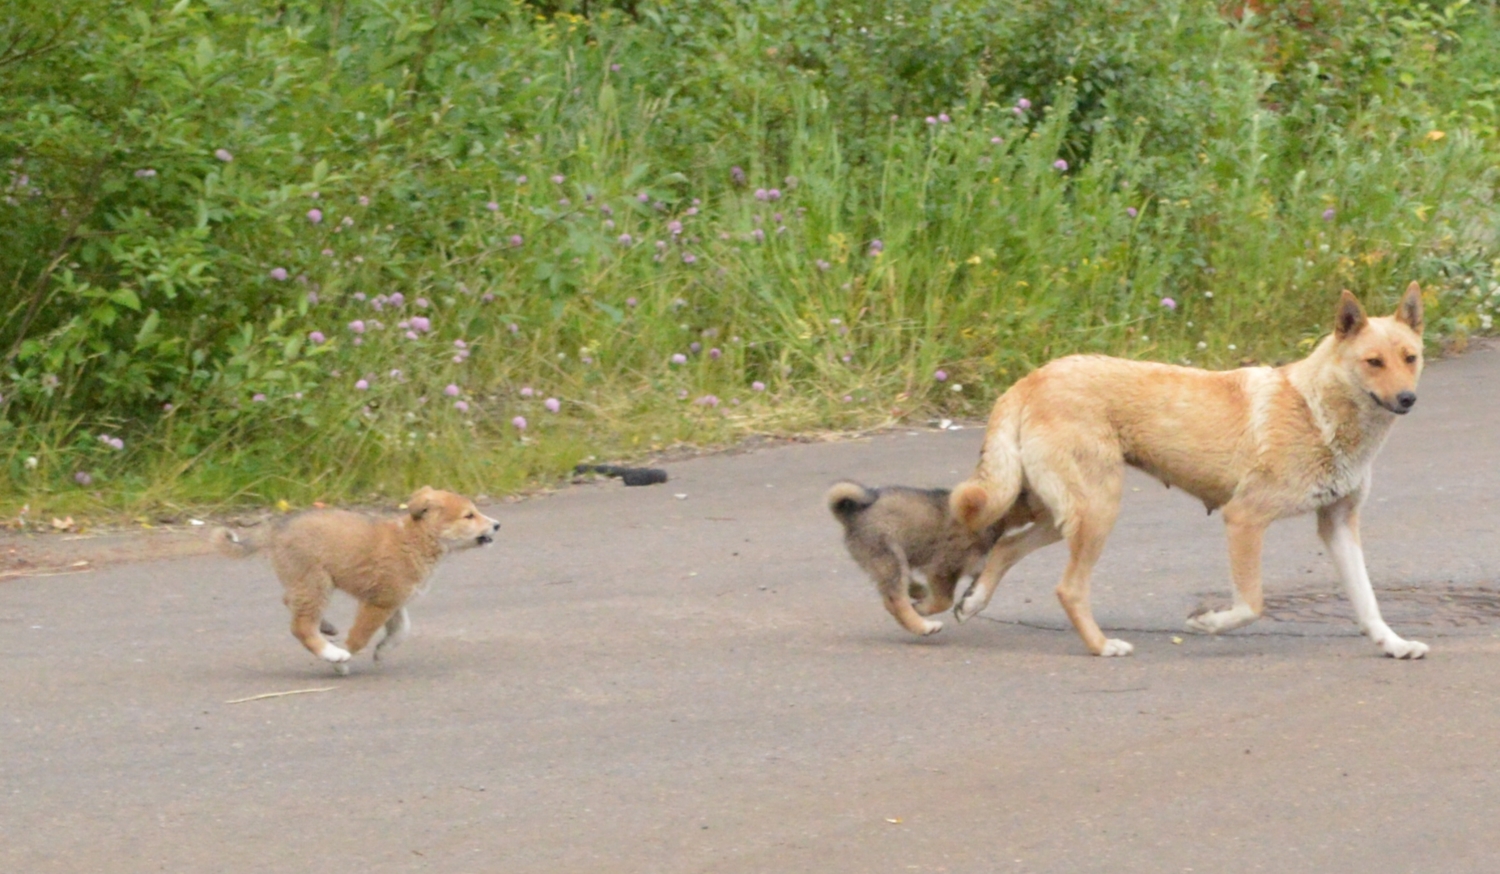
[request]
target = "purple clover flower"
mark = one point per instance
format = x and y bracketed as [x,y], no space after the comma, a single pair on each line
[519,423]
[1329,213]
[516,240]
[1060,164]
[737,176]
[558,179]
[689,258]
[362,385]
[757,386]
[258,398]
[1168,303]
[552,405]
[492,206]
[461,406]
[943,117]
[451,390]
[224,155]
[707,401]
[82,478]
[715,353]
[279,274]
[626,239]
[317,338]
[1131,211]
[527,391]
[941,376]
[876,247]
[315,215]
[679,358]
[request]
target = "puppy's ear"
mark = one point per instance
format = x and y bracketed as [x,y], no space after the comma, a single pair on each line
[421,501]
[1350,318]
[1409,311]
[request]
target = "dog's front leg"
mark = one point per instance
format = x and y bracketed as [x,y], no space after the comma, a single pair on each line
[1338,525]
[1246,531]
[1003,556]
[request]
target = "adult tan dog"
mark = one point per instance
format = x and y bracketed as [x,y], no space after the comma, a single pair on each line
[1258,443]
[381,562]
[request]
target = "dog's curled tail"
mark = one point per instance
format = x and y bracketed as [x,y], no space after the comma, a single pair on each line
[232,544]
[984,498]
[847,499]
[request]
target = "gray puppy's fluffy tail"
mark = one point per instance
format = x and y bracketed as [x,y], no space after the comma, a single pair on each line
[848,499]
[232,544]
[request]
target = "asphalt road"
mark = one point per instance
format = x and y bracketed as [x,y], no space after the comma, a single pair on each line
[633,681]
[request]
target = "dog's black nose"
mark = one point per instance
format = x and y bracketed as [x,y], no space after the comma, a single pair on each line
[1406,400]
[495,527]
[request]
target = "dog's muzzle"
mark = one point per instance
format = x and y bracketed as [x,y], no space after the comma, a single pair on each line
[487,537]
[1401,406]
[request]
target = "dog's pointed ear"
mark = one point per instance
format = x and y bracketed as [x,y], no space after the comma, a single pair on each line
[1350,318]
[1409,311]
[420,502]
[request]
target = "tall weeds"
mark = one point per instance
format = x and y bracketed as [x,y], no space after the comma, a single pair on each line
[337,253]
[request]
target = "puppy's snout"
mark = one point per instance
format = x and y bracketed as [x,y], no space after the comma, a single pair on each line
[495,526]
[1406,400]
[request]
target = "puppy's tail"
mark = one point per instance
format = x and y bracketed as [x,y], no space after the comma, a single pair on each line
[983,499]
[233,545]
[848,499]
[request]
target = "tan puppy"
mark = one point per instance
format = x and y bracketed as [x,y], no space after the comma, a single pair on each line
[381,562]
[1259,443]
[895,532]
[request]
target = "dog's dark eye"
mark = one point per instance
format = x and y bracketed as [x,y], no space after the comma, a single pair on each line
[1375,362]
[1411,359]
[468,515]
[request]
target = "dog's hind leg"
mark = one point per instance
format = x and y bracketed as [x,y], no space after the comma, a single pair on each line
[1246,530]
[396,629]
[895,589]
[306,601]
[1096,490]
[367,621]
[1003,556]
[1338,525]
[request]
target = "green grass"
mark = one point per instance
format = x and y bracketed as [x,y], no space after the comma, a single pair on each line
[1199,168]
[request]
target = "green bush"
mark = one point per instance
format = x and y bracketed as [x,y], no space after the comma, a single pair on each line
[330,250]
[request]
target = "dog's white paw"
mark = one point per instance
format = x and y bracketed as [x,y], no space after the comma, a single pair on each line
[1398,648]
[333,653]
[969,607]
[1214,621]
[1113,647]
[341,668]
[931,626]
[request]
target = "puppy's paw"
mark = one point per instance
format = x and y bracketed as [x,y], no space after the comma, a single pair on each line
[930,626]
[1398,648]
[970,606]
[1113,648]
[341,668]
[335,654]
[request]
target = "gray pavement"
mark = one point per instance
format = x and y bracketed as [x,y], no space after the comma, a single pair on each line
[629,681]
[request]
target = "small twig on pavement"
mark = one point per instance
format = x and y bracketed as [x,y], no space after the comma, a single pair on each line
[281,694]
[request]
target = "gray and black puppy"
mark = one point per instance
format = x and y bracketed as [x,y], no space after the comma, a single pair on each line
[893,532]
